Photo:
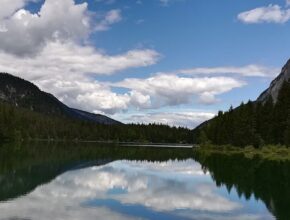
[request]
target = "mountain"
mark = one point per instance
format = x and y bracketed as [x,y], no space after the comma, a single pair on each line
[21,93]
[27,113]
[260,122]
[98,118]
[276,85]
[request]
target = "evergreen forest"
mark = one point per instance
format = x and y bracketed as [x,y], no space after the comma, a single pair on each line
[18,124]
[251,124]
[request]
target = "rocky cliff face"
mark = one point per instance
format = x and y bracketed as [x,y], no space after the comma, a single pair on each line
[276,85]
[21,93]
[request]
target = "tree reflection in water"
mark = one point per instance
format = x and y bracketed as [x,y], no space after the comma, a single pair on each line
[266,180]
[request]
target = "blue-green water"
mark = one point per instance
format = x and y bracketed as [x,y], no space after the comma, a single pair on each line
[111,182]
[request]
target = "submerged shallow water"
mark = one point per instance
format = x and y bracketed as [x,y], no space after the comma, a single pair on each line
[109,182]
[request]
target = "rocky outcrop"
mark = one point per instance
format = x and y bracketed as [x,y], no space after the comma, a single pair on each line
[276,85]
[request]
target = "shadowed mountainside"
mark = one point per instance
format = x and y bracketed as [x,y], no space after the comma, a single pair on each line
[21,93]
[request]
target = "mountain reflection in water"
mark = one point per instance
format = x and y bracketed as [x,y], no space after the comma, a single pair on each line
[135,183]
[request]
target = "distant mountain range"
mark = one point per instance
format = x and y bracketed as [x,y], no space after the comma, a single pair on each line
[21,93]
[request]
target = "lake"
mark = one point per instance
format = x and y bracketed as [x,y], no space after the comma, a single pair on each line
[105,181]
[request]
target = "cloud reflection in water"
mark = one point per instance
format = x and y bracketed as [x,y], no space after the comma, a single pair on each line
[179,189]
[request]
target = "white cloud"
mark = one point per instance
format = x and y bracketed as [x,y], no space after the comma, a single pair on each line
[247,71]
[8,7]
[26,33]
[172,90]
[60,65]
[87,95]
[268,14]
[67,71]
[49,48]
[68,59]
[139,100]
[182,119]
[112,17]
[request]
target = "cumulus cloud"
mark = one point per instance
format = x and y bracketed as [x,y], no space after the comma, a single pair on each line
[67,70]
[182,119]
[171,90]
[69,59]
[8,7]
[50,48]
[87,95]
[25,33]
[267,14]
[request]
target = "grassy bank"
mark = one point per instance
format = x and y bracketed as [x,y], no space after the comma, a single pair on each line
[270,152]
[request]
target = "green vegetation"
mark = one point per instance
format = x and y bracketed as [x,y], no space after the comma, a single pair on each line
[253,124]
[270,152]
[19,124]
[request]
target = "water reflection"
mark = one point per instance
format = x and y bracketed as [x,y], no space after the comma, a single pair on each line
[26,166]
[128,189]
[265,180]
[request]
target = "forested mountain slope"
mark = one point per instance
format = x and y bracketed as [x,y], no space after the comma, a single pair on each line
[28,113]
[264,121]
[22,124]
[24,94]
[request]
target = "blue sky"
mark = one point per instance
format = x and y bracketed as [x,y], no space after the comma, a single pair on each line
[175,62]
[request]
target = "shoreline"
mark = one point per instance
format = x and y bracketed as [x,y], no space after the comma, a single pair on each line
[269,152]
[119,143]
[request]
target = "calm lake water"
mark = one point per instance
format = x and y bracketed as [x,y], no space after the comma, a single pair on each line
[88,181]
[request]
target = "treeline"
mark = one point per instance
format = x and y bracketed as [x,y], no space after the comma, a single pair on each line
[253,123]
[23,124]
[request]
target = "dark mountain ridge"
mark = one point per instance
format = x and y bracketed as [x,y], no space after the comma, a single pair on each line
[21,93]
